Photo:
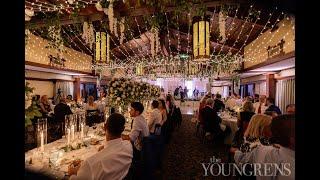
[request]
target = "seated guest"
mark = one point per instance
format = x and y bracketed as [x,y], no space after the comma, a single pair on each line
[256,98]
[211,120]
[139,128]
[238,100]
[93,115]
[271,106]
[247,98]
[244,118]
[170,104]
[45,107]
[69,98]
[218,104]
[61,110]
[271,113]
[58,96]
[163,110]
[91,106]
[201,106]
[280,152]
[258,128]
[155,116]
[283,138]
[50,100]
[257,132]
[231,102]
[113,161]
[260,106]
[290,109]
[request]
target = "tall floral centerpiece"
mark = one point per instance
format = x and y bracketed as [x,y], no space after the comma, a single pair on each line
[31,109]
[122,92]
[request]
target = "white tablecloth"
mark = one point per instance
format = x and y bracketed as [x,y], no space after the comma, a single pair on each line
[232,123]
[40,161]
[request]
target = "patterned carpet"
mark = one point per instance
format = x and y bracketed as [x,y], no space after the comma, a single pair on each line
[185,152]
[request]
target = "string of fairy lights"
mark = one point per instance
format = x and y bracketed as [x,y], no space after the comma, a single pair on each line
[43,6]
[36,51]
[258,46]
[263,55]
[138,55]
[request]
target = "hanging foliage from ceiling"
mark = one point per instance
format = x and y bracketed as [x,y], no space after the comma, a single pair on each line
[28,14]
[56,41]
[88,34]
[122,29]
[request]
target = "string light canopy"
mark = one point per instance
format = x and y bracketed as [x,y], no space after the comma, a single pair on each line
[134,50]
[201,38]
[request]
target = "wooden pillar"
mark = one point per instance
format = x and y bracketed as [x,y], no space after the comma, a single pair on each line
[270,85]
[77,92]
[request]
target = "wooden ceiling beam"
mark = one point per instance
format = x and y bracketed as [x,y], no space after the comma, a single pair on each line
[67,20]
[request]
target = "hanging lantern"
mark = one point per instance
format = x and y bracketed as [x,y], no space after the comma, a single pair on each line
[201,39]
[102,53]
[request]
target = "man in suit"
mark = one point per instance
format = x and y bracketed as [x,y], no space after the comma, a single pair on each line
[271,106]
[60,111]
[211,120]
[218,104]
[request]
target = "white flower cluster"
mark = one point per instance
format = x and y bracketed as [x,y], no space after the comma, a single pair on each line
[124,91]
[88,34]
[28,96]
[28,14]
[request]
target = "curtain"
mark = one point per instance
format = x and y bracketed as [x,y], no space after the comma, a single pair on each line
[66,87]
[285,93]
[225,91]
[250,90]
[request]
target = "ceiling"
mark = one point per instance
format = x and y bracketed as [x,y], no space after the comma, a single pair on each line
[285,64]
[271,68]
[241,27]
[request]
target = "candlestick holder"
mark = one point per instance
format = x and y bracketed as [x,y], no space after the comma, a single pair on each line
[69,128]
[41,133]
[81,122]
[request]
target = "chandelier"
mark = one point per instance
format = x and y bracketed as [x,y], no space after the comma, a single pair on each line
[102,52]
[201,39]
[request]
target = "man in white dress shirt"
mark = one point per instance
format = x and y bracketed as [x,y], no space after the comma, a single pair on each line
[276,161]
[260,106]
[113,161]
[155,116]
[139,128]
[231,102]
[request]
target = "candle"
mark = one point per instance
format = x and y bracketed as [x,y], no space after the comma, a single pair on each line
[72,132]
[81,134]
[68,137]
[42,141]
[120,110]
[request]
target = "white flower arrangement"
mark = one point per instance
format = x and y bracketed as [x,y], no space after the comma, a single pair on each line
[124,91]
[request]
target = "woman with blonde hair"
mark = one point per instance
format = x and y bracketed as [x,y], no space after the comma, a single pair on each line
[259,127]
[258,130]
[91,104]
[45,106]
[92,112]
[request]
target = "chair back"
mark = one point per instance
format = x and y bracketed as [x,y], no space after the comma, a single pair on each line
[157,130]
